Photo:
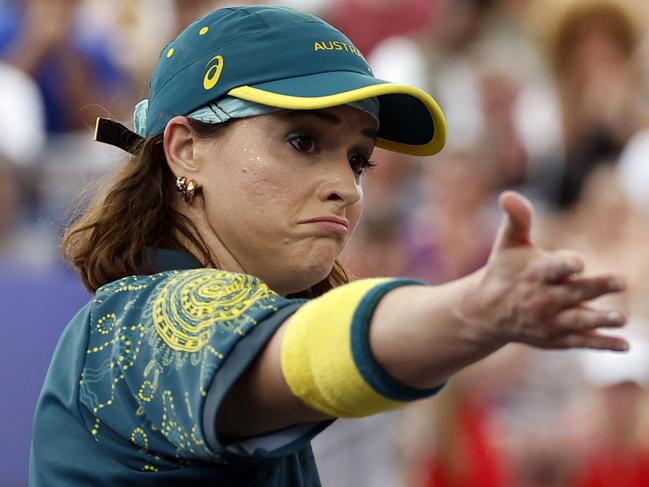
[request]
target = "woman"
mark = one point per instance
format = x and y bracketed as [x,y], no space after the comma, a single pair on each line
[216,346]
[592,105]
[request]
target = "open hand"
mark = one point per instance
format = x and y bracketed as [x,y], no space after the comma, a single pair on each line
[529,295]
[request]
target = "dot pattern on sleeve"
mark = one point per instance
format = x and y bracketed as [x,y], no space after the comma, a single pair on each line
[155,345]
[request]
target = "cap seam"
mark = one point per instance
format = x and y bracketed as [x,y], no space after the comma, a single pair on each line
[180,70]
[194,61]
[256,14]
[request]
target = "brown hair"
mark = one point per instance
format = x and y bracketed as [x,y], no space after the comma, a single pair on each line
[137,208]
[556,24]
[610,16]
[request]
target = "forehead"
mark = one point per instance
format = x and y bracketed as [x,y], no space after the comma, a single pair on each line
[343,115]
[337,121]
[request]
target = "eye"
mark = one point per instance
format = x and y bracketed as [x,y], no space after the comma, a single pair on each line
[360,164]
[303,143]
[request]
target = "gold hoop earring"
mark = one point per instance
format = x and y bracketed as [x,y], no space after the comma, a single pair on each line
[192,186]
[186,188]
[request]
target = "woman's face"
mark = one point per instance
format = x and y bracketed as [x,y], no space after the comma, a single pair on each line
[281,193]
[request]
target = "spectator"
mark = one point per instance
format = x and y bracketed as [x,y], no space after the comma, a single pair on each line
[74,70]
[22,126]
[587,113]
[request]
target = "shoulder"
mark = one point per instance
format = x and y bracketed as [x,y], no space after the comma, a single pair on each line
[191,305]
[186,307]
[213,283]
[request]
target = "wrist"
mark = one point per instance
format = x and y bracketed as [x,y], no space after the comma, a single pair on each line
[474,312]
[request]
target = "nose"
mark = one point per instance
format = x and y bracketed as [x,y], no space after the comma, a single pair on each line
[341,184]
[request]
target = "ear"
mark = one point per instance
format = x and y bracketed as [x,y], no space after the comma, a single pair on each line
[179,144]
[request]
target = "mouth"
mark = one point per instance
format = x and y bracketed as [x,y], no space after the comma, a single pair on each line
[331,224]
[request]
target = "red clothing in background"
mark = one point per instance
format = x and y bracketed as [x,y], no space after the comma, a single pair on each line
[369,22]
[480,465]
[613,468]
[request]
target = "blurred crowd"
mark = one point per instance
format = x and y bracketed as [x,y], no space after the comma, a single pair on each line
[549,97]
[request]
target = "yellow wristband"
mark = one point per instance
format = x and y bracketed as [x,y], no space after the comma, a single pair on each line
[326,358]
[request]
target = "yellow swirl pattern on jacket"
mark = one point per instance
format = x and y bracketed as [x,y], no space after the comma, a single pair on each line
[188,306]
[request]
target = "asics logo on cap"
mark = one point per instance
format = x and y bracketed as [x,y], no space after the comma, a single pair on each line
[213,73]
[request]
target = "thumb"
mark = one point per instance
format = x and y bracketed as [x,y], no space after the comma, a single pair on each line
[515,227]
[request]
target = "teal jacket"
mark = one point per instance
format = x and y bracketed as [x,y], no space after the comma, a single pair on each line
[134,388]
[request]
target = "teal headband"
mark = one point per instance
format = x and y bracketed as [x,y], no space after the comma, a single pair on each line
[229,107]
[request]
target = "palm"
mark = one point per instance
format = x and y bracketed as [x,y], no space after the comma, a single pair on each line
[529,295]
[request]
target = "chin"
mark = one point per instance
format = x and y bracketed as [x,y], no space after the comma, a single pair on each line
[298,271]
[303,279]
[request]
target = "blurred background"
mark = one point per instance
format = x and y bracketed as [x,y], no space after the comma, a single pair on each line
[549,97]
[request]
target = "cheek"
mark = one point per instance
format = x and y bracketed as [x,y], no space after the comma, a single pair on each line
[254,194]
[354,214]
[267,187]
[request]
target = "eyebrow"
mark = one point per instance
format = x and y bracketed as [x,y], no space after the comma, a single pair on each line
[333,119]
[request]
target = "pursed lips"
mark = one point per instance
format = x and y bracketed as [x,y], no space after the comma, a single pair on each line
[330,223]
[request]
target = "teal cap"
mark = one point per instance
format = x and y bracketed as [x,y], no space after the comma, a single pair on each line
[283,58]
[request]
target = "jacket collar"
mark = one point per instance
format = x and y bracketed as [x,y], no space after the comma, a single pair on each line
[169,260]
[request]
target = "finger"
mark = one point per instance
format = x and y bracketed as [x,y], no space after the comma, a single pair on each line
[582,318]
[590,339]
[576,291]
[559,266]
[515,227]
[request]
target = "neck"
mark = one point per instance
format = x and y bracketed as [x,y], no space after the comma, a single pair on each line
[224,259]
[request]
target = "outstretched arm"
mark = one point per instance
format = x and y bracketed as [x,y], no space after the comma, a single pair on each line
[523,294]
[422,335]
